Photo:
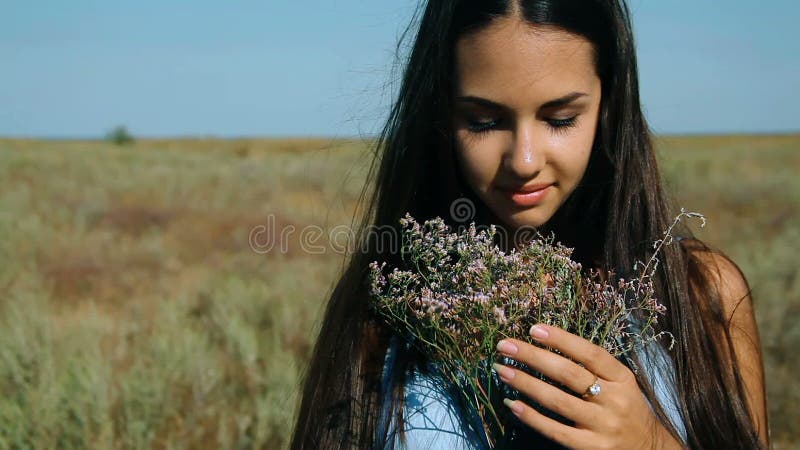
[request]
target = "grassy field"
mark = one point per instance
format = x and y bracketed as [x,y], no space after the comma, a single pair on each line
[135,314]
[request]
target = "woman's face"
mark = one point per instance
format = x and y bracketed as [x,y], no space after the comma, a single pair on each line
[526,109]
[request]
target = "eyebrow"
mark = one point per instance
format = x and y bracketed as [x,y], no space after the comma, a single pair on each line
[561,101]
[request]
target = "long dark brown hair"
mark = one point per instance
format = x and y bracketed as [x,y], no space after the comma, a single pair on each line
[611,220]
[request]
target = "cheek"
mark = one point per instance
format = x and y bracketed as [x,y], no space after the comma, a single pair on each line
[571,156]
[478,160]
[574,163]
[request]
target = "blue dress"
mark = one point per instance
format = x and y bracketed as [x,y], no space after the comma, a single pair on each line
[432,421]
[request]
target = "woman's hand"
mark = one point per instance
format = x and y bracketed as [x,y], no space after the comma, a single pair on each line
[618,417]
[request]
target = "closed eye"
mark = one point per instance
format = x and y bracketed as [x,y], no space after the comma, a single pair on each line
[562,125]
[482,126]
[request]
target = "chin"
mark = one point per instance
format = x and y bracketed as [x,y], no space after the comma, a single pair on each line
[524,220]
[530,218]
[516,217]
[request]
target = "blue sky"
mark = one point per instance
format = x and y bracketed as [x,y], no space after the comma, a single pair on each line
[324,67]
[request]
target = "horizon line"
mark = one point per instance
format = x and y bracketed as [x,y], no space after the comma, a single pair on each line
[154,137]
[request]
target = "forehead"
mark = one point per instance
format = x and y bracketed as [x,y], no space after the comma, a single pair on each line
[510,59]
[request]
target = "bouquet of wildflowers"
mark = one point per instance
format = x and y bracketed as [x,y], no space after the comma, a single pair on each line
[458,294]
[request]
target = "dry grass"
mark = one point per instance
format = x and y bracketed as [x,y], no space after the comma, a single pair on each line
[136,315]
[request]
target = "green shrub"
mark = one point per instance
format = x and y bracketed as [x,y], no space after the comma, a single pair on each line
[119,136]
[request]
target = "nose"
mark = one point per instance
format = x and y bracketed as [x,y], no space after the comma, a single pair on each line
[524,158]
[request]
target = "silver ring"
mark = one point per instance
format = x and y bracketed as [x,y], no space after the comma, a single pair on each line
[593,390]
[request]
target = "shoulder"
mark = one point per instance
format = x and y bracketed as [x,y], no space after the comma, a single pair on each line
[718,281]
[728,292]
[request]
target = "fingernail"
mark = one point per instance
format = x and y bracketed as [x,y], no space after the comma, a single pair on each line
[538,332]
[505,373]
[507,348]
[515,407]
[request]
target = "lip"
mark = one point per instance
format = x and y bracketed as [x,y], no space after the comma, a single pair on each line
[528,195]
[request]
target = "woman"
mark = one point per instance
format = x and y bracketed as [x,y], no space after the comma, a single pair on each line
[531,109]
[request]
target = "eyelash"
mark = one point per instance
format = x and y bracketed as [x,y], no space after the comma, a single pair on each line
[557,125]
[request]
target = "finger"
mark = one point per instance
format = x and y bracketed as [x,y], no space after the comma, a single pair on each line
[595,358]
[550,428]
[549,396]
[553,366]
